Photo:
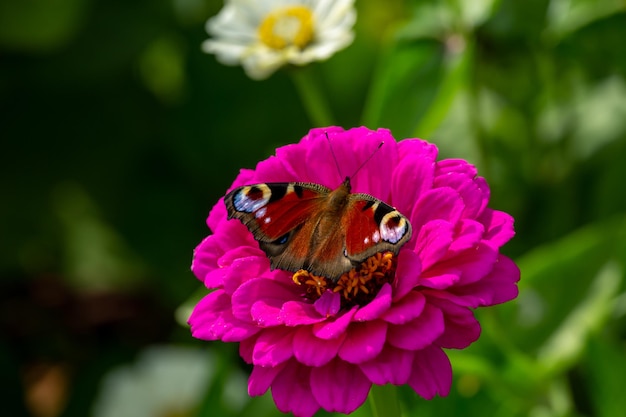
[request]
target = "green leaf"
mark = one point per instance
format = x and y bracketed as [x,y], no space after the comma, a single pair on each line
[454,78]
[476,12]
[601,116]
[607,378]
[567,16]
[416,84]
[420,73]
[563,289]
[404,85]
[566,344]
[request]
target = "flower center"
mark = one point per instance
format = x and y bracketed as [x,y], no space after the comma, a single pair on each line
[358,286]
[288,26]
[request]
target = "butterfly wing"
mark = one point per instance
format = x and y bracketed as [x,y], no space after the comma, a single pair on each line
[306,226]
[372,226]
[281,217]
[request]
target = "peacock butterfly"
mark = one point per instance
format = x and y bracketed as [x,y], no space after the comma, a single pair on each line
[308,226]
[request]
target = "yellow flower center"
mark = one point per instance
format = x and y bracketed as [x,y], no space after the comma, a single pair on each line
[288,26]
[358,286]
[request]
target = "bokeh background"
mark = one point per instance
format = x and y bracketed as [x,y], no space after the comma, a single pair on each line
[119,134]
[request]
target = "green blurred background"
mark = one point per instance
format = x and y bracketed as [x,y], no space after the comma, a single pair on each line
[119,134]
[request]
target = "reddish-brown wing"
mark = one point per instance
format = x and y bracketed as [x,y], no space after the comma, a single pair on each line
[281,216]
[373,226]
[308,226]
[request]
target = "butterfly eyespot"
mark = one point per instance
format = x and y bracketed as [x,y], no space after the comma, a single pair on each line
[393,227]
[250,199]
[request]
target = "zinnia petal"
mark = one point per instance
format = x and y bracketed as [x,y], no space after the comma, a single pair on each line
[392,366]
[313,351]
[377,306]
[420,332]
[262,377]
[437,204]
[432,373]
[409,268]
[364,341]
[417,170]
[460,326]
[406,309]
[434,239]
[260,300]
[469,190]
[212,319]
[291,390]
[339,386]
[335,327]
[273,346]
[497,287]
[498,225]
[297,313]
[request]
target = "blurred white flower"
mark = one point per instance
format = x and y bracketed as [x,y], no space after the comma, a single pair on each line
[165,381]
[263,35]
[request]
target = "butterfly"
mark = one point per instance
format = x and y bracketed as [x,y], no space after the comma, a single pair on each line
[308,226]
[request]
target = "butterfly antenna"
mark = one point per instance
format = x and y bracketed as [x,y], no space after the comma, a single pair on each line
[332,151]
[368,158]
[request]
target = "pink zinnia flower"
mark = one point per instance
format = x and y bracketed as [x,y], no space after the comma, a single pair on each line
[318,344]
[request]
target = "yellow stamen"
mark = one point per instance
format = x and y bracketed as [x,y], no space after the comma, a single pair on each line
[357,286]
[288,26]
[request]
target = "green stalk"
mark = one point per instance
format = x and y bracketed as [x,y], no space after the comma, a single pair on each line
[312,97]
[384,401]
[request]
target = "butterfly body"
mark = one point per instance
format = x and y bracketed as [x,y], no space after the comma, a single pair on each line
[308,226]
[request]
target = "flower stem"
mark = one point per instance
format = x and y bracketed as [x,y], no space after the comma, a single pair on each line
[312,98]
[384,401]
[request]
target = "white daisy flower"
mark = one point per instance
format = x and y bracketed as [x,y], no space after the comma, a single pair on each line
[263,35]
